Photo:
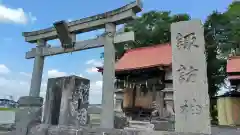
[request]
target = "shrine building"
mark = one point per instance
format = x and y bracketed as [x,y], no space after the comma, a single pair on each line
[144,75]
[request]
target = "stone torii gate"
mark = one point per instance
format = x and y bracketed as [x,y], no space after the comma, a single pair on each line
[66,32]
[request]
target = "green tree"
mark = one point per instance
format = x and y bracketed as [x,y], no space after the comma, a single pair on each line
[216,66]
[229,36]
[150,29]
[153,28]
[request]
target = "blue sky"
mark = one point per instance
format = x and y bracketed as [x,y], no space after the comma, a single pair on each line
[17,16]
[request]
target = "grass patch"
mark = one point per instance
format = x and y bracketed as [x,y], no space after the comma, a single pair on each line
[8,109]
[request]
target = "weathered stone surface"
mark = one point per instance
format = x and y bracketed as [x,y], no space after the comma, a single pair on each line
[107,114]
[140,125]
[191,100]
[120,121]
[67,101]
[63,130]
[41,129]
[216,130]
[118,100]
[29,100]
[163,125]
[52,104]
[29,114]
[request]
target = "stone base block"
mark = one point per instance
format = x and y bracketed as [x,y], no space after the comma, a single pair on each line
[163,125]
[140,125]
[28,114]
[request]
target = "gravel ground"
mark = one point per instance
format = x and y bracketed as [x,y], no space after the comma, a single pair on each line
[220,130]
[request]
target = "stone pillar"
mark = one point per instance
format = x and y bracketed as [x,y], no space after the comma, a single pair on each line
[69,96]
[37,71]
[118,101]
[191,99]
[29,114]
[161,103]
[107,119]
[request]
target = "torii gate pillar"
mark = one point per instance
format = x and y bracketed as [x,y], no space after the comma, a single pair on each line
[107,119]
[37,71]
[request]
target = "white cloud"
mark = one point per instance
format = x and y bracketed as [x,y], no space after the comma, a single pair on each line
[4,69]
[18,87]
[91,70]
[17,15]
[25,74]
[80,75]
[31,17]
[24,83]
[43,89]
[94,62]
[55,73]
[7,39]
[95,92]
[96,86]
[15,88]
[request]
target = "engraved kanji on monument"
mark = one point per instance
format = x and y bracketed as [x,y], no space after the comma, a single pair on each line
[191,99]
[67,101]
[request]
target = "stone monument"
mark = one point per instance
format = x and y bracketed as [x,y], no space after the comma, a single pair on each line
[190,84]
[67,101]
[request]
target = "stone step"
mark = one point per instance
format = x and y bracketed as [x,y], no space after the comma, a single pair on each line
[140,125]
[163,125]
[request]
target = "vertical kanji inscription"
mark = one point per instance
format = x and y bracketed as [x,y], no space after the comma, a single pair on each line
[187,74]
[191,107]
[186,41]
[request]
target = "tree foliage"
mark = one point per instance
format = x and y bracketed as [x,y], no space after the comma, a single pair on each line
[153,27]
[229,30]
[222,37]
[215,65]
[150,29]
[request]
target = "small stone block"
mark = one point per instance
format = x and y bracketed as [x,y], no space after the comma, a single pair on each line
[40,129]
[30,101]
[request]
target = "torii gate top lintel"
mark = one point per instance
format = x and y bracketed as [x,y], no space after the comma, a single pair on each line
[117,16]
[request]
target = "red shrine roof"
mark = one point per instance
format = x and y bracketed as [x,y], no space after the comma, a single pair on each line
[145,57]
[233,66]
